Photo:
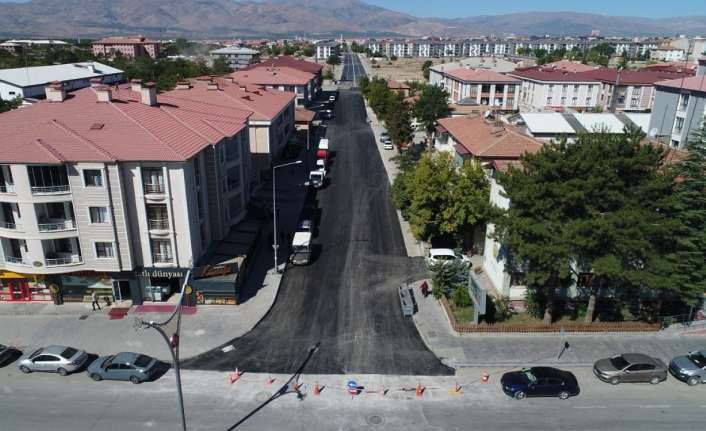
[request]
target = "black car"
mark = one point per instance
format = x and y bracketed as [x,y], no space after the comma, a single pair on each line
[540,382]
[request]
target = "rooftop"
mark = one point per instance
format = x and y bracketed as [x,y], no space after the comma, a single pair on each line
[546,122]
[496,64]
[636,77]
[569,66]
[235,49]
[694,83]
[294,63]
[554,123]
[81,129]
[479,75]
[276,75]
[484,139]
[550,75]
[124,39]
[41,75]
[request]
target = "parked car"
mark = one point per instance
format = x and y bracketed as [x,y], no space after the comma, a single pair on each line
[387,145]
[54,359]
[540,382]
[6,353]
[332,98]
[630,368]
[127,366]
[385,137]
[437,255]
[690,368]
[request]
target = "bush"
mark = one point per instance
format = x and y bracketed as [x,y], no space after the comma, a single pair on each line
[448,277]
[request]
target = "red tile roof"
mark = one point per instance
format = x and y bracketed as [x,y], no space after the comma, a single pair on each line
[634,77]
[484,140]
[272,76]
[174,130]
[694,83]
[302,115]
[569,66]
[294,63]
[479,75]
[550,75]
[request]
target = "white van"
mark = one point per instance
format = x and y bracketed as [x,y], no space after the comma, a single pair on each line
[323,144]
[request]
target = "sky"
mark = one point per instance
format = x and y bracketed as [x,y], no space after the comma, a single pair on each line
[463,8]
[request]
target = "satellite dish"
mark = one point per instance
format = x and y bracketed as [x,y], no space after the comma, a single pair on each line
[653,132]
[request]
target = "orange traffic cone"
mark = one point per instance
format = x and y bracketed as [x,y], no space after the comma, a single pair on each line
[317,389]
[485,377]
[420,389]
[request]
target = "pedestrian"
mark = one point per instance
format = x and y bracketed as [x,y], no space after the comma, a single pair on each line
[94,299]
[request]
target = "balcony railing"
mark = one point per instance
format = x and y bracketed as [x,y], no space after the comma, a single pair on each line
[15,260]
[8,225]
[158,224]
[48,190]
[162,258]
[154,188]
[7,188]
[56,226]
[63,261]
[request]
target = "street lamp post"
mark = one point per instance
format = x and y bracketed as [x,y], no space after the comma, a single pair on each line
[172,341]
[274,205]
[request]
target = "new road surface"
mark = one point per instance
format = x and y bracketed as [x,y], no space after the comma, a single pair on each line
[346,300]
[352,68]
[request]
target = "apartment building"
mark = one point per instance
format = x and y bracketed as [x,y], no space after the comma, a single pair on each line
[550,89]
[481,87]
[116,191]
[679,107]
[295,63]
[326,49]
[272,123]
[283,78]
[128,46]
[29,82]
[238,57]
[667,53]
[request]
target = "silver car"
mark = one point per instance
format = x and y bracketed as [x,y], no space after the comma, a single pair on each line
[630,368]
[134,367]
[690,368]
[54,359]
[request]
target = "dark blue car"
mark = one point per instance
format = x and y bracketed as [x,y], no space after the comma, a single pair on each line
[540,382]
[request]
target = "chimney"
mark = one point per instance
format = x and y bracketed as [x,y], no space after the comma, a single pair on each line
[183,85]
[701,69]
[135,84]
[149,94]
[103,93]
[212,85]
[55,92]
[96,82]
[243,87]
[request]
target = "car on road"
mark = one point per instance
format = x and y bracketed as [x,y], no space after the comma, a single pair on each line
[387,145]
[126,366]
[690,368]
[630,368]
[54,359]
[6,353]
[332,98]
[540,382]
[437,255]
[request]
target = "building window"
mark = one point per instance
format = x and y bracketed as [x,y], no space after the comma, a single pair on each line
[197,171]
[162,251]
[104,250]
[563,101]
[574,101]
[93,177]
[588,101]
[549,101]
[98,214]
[678,124]
[683,102]
[636,91]
[634,102]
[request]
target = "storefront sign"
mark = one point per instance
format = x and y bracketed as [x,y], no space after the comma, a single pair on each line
[161,273]
[215,270]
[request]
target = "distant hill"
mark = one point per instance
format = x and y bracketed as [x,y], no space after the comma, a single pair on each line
[227,18]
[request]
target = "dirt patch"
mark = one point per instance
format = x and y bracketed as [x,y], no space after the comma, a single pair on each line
[402,69]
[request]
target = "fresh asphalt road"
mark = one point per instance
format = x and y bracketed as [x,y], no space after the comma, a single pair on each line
[48,401]
[352,68]
[347,299]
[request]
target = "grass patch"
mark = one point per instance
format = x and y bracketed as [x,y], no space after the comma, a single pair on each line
[462,314]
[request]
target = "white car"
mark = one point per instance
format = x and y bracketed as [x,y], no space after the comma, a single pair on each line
[437,255]
[332,98]
[388,145]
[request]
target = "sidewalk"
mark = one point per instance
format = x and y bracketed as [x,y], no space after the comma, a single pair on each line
[31,325]
[507,349]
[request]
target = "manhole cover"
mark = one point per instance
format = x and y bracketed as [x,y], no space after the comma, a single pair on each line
[83,317]
[375,420]
[262,397]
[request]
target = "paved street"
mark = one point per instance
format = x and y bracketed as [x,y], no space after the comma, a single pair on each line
[352,68]
[347,299]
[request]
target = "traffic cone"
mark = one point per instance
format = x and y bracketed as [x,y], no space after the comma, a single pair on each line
[485,377]
[235,376]
[317,389]
[270,380]
[420,389]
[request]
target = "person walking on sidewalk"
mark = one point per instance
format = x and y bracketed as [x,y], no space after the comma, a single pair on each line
[94,299]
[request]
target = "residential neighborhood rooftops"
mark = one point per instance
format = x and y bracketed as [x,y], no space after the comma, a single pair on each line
[83,129]
[276,75]
[569,66]
[289,61]
[635,77]
[41,75]
[479,75]
[694,83]
[495,64]
[487,139]
[544,74]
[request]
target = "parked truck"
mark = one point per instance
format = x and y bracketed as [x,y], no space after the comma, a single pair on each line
[316,178]
[301,248]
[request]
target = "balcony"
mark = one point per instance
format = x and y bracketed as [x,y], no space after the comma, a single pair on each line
[7,188]
[10,225]
[158,224]
[56,225]
[154,188]
[62,261]
[50,190]
[15,260]
[162,258]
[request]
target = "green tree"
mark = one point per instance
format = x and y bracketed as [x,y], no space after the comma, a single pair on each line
[425,68]
[398,118]
[433,104]
[7,105]
[447,278]
[220,66]
[333,60]
[308,51]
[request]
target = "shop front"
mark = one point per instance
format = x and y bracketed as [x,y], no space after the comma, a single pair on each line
[159,284]
[79,286]
[23,287]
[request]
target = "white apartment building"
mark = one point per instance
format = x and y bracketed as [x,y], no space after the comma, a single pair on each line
[545,89]
[324,50]
[667,54]
[238,57]
[115,191]
[480,86]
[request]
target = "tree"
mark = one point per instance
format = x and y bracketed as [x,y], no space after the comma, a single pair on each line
[398,118]
[8,105]
[220,66]
[289,49]
[308,51]
[433,104]
[333,60]
[425,68]
[450,278]
[689,207]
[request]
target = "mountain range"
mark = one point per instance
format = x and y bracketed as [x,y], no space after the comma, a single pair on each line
[238,18]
